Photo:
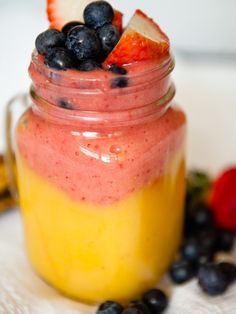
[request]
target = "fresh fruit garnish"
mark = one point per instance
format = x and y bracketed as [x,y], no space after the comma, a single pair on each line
[142,40]
[223,199]
[60,59]
[213,279]
[110,307]
[49,39]
[89,65]
[68,27]
[109,37]
[118,20]
[156,300]
[84,42]
[61,12]
[98,13]
[181,271]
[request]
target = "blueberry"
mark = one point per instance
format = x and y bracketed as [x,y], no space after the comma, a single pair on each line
[89,65]
[109,37]
[119,82]
[49,39]
[84,42]
[208,240]
[110,307]
[191,250]
[205,257]
[60,59]
[98,13]
[156,300]
[181,271]
[65,104]
[114,68]
[201,217]
[212,279]
[133,310]
[68,27]
[229,271]
[225,240]
[140,306]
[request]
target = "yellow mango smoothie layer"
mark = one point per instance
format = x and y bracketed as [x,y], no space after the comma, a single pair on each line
[94,252]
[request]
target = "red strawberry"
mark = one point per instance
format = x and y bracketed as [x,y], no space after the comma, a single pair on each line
[61,12]
[223,199]
[142,40]
[118,20]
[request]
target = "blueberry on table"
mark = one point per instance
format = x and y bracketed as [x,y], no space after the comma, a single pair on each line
[68,26]
[156,300]
[119,82]
[133,310]
[110,307]
[114,68]
[225,240]
[109,37]
[212,279]
[181,271]
[49,39]
[191,250]
[89,65]
[60,59]
[208,240]
[140,306]
[84,42]
[98,13]
[229,270]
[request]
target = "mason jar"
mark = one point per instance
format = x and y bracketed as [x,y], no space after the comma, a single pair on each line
[101,178]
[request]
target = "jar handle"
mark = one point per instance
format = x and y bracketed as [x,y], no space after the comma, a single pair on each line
[11,115]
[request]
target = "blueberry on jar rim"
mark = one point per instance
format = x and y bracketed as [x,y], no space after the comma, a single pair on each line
[98,13]
[60,59]
[89,65]
[51,38]
[84,42]
[68,26]
[109,37]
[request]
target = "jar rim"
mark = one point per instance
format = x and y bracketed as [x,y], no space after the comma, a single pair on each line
[160,70]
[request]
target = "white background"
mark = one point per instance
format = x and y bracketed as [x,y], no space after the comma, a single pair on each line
[206,87]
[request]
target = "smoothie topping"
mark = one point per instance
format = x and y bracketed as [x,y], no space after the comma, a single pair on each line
[87,35]
[84,42]
[98,14]
[142,40]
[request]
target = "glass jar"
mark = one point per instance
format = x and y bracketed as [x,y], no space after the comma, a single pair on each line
[101,176]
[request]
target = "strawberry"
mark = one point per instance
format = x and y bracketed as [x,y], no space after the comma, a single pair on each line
[61,12]
[222,199]
[142,40]
[118,20]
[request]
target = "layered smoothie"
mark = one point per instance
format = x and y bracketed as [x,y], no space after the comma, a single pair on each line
[101,172]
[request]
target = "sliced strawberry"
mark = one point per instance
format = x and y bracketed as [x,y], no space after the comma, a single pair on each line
[61,12]
[142,40]
[118,20]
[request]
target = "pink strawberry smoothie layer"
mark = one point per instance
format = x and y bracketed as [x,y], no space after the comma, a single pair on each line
[96,162]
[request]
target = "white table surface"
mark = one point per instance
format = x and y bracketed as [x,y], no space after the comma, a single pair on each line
[207,92]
